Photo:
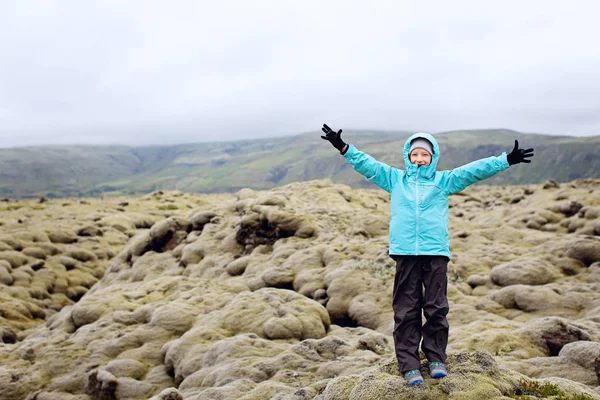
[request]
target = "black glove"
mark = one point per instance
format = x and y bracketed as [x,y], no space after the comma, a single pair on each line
[519,155]
[333,137]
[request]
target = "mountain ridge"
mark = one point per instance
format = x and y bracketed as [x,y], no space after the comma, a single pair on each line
[213,167]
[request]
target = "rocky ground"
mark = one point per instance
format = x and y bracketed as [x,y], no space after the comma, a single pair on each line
[285,294]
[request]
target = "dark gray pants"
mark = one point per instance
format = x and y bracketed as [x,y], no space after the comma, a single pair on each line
[412,274]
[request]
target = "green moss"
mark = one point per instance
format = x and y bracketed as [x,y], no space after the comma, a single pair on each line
[456,275]
[380,270]
[168,207]
[504,349]
[545,390]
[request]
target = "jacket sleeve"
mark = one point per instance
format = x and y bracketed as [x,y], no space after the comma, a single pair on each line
[377,172]
[459,178]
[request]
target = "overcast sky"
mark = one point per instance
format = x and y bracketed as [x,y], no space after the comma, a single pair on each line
[159,72]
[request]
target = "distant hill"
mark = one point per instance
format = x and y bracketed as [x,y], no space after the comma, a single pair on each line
[72,171]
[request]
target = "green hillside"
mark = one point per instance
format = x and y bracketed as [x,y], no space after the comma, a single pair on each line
[71,171]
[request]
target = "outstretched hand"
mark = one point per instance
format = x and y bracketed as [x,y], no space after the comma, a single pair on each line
[335,138]
[519,155]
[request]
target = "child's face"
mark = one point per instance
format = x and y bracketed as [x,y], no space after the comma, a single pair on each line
[420,157]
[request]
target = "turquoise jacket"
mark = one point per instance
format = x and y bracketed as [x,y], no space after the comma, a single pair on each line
[419,196]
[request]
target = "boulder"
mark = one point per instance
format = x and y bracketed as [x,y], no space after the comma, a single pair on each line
[194,252]
[272,200]
[34,252]
[16,244]
[7,335]
[126,368]
[372,225]
[553,333]
[141,243]
[471,376]
[129,388]
[556,367]
[174,317]
[550,228]
[540,299]
[84,314]
[80,254]
[481,279]
[550,184]
[259,312]
[550,216]
[589,213]
[17,385]
[168,394]
[163,233]
[581,352]
[526,271]
[101,385]
[584,250]
[200,219]
[278,277]
[15,259]
[68,262]
[531,224]
[266,225]
[32,236]
[238,266]
[89,230]
[61,237]
[140,316]
[5,276]
[570,208]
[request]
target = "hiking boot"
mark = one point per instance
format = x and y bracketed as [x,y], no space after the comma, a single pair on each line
[437,369]
[413,377]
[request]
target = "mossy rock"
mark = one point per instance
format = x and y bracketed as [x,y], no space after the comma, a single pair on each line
[471,376]
[200,219]
[585,250]
[15,258]
[89,230]
[528,271]
[34,252]
[81,254]
[62,237]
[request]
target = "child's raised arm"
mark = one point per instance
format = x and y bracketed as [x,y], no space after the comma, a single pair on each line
[377,172]
[459,178]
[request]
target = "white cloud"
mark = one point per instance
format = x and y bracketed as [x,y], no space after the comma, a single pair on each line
[142,72]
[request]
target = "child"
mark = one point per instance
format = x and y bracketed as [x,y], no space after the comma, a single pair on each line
[419,239]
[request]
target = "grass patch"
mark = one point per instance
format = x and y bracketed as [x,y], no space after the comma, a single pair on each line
[168,207]
[545,390]
[504,349]
[12,207]
[383,271]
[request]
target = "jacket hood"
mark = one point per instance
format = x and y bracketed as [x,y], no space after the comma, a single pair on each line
[424,171]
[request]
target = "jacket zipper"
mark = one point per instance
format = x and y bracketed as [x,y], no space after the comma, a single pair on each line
[417,214]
